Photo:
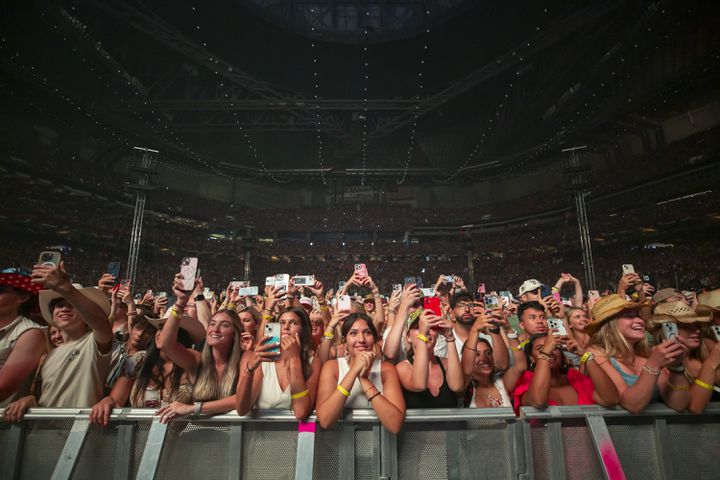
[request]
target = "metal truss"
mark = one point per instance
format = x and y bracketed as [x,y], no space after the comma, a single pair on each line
[154,26]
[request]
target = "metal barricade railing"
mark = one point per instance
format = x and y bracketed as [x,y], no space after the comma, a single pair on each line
[557,443]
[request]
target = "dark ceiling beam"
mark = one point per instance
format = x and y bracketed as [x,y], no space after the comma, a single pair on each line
[77,29]
[510,59]
[238,105]
[156,28]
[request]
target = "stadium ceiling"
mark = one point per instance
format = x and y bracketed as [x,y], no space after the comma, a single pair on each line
[414,91]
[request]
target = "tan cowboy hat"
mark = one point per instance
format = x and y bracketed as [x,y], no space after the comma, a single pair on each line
[709,302]
[192,326]
[676,312]
[609,306]
[47,296]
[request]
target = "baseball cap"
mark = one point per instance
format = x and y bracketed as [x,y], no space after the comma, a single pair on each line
[529,285]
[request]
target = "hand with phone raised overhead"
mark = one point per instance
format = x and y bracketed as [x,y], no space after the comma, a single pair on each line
[629,280]
[52,277]
[459,283]
[106,283]
[316,289]
[410,294]
[182,296]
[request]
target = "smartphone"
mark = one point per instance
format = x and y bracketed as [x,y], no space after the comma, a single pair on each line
[593,295]
[207,293]
[447,278]
[49,259]
[235,285]
[272,330]
[361,269]
[149,293]
[304,280]
[248,291]
[716,330]
[481,288]
[162,295]
[670,330]
[113,269]
[545,291]
[269,281]
[507,296]
[408,281]
[282,281]
[628,268]
[344,303]
[491,301]
[188,269]
[432,303]
[557,324]
[397,287]
[340,285]
[125,283]
[428,292]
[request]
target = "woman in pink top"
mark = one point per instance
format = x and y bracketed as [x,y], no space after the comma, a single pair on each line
[550,382]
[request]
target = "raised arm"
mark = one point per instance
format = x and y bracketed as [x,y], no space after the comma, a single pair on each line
[392,345]
[167,342]
[57,279]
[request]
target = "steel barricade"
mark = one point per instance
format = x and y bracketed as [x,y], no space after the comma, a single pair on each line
[557,443]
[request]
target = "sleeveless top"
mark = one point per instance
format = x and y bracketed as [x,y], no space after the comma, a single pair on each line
[630,379]
[582,385]
[357,396]
[502,391]
[270,395]
[446,398]
[9,336]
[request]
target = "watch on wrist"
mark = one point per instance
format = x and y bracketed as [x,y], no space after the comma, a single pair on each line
[199,298]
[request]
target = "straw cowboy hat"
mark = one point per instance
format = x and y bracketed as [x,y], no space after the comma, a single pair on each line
[47,296]
[676,312]
[709,303]
[609,306]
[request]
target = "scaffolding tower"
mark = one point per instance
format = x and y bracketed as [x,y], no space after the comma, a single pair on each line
[142,179]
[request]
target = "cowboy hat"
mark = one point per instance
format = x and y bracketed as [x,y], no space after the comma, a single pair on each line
[47,296]
[709,302]
[676,312]
[609,306]
[192,326]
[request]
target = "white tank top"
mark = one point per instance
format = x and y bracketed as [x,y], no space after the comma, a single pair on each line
[357,396]
[270,395]
[504,397]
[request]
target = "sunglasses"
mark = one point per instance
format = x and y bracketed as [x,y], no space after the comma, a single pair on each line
[15,270]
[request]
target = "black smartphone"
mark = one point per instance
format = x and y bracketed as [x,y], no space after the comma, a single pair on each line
[113,269]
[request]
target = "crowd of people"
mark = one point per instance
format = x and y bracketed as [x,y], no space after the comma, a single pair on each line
[311,347]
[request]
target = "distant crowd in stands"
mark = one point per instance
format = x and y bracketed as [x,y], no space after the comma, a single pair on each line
[186,350]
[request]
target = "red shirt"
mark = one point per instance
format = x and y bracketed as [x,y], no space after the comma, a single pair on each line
[582,384]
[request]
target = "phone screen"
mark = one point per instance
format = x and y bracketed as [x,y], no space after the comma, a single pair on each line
[188,269]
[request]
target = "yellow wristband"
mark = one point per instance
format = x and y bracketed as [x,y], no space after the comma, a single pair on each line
[231,305]
[422,337]
[323,307]
[343,391]
[522,344]
[704,385]
[174,313]
[295,396]
[585,358]
[267,317]
[678,387]
[328,335]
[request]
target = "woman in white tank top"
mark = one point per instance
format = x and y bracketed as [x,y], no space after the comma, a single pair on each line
[286,380]
[490,387]
[361,379]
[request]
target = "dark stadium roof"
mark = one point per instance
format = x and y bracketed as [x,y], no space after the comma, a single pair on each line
[406,90]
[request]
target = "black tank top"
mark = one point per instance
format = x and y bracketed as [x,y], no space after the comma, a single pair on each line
[446,398]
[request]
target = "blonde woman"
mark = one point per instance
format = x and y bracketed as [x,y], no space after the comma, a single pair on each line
[214,371]
[640,374]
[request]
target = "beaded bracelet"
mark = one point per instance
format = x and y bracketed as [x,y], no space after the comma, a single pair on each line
[651,371]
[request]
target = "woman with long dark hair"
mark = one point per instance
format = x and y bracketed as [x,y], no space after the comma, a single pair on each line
[284,379]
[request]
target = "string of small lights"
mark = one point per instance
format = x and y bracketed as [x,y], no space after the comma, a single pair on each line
[316,83]
[420,85]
